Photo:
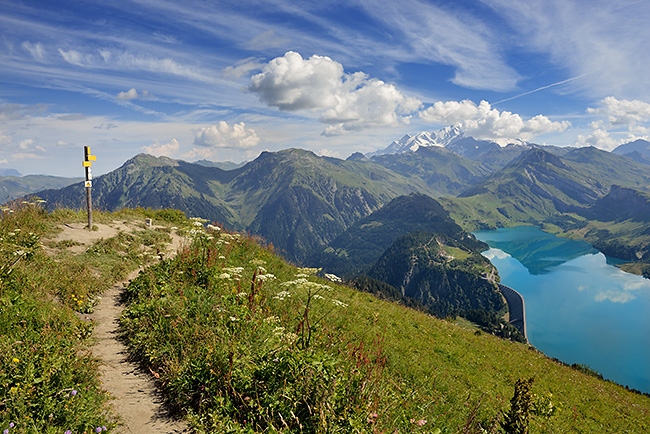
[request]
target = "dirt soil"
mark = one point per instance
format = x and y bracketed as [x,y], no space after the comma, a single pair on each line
[136,399]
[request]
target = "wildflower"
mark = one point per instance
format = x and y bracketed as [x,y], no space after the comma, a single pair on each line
[73,393]
[242,295]
[333,277]
[6,431]
[272,319]
[319,297]
[15,360]
[339,303]
[265,277]
[67,432]
[224,276]
[197,224]
[282,295]
[234,319]
[98,429]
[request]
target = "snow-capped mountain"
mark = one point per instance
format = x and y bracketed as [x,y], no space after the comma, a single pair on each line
[408,143]
[452,138]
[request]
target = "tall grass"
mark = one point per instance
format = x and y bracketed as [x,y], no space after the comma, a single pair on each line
[242,342]
[49,380]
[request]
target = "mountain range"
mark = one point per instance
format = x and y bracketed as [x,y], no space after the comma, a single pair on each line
[301,203]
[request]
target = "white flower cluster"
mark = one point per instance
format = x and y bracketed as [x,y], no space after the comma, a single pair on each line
[213,228]
[282,295]
[339,303]
[333,278]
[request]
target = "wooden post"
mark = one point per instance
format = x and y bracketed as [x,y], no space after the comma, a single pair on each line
[87,163]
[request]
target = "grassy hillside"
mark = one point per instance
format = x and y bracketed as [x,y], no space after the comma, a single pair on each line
[16,186]
[49,381]
[244,342]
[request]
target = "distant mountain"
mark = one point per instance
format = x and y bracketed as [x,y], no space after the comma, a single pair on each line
[16,186]
[9,172]
[365,240]
[296,200]
[638,150]
[223,165]
[408,143]
[539,184]
[444,171]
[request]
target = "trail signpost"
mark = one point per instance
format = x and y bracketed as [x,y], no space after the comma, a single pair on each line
[87,163]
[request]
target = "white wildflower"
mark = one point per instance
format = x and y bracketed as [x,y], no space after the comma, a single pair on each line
[242,295]
[234,319]
[282,295]
[225,276]
[213,228]
[173,228]
[272,320]
[261,270]
[266,277]
[339,303]
[302,275]
[333,277]
[319,297]
[222,257]
[295,282]
[197,224]
[257,262]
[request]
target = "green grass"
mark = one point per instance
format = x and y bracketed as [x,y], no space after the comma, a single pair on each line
[49,380]
[243,342]
[237,354]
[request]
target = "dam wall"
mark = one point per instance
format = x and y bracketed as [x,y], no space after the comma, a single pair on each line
[517,308]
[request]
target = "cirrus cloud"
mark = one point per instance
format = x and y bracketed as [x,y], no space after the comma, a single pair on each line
[222,135]
[484,122]
[319,84]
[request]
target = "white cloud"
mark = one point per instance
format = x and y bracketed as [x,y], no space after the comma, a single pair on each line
[168,149]
[429,33]
[621,121]
[484,122]
[266,40]
[602,41]
[235,136]
[133,94]
[242,68]
[4,161]
[36,50]
[329,153]
[319,84]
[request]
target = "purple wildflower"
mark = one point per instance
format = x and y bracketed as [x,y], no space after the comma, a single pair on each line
[98,429]
[73,393]
[6,431]
[68,432]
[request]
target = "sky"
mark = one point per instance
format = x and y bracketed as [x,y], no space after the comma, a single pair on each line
[227,80]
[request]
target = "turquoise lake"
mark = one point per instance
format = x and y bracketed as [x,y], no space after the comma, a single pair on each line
[580,308]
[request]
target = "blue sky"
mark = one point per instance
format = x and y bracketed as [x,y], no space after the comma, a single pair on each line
[227,80]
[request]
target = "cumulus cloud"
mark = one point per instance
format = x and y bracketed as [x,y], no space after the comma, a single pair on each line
[168,149]
[621,121]
[133,94]
[235,136]
[484,122]
[319,84]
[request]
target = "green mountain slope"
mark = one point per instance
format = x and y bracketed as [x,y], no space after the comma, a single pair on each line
[365,241]
[538,185]
[444,171]
[294,199]
[16,186]
[439,272]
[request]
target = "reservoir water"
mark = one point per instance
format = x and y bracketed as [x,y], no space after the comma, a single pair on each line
[580,308]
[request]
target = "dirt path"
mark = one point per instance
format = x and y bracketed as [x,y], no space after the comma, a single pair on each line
[135,397]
